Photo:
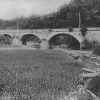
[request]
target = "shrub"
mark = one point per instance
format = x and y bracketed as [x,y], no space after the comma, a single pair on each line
[89,45]
[94,84]
[70,29]
[83,31]
[96,49]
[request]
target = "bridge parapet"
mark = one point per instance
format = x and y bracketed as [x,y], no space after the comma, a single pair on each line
[36,30]
[45,30]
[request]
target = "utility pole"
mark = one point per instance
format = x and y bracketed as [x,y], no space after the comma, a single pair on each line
[17,27]
[79,15]
[79,20]
[17,24]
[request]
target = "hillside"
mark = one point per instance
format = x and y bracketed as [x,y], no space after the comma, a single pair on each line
[66,16]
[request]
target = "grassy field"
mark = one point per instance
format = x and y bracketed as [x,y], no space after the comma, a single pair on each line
[35,74]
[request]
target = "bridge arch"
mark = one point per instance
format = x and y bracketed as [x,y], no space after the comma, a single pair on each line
[64,39]
[29,37]
[6,39]
[7,35]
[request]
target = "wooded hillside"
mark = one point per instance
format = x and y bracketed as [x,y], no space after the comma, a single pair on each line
[66,16]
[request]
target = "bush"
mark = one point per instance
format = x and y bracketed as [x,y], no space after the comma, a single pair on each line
[96,49]
[88,45]
[83,31]
[70,29]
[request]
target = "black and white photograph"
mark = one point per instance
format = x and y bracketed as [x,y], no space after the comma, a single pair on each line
[49,49]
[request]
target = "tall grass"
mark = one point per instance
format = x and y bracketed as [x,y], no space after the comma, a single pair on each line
[37,75]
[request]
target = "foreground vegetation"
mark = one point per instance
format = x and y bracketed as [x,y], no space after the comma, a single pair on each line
[32,75]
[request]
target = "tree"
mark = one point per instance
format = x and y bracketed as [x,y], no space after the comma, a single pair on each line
[83,33]
[67,16]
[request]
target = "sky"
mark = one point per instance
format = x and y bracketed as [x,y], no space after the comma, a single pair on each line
[10,9]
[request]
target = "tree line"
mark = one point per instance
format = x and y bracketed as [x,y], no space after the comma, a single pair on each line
[67,16]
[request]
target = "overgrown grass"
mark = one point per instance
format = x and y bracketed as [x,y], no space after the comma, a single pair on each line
[33,75]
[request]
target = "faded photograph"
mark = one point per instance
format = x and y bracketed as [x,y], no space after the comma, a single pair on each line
[49,49]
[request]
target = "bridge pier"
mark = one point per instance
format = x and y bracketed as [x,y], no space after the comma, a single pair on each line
[16,41]
[82,45]
[44,44]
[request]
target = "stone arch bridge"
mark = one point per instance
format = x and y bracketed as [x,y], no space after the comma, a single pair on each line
[45,35]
